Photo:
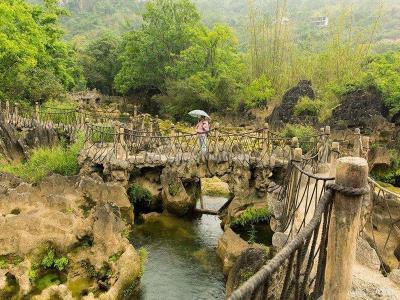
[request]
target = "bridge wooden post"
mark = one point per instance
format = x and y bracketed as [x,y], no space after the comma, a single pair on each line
[122,146]
[357,147]
[351,172]
[334,157]
[265,138]
[116,139]
[135,111]
[325,145]
[365,146]
[37,112]
[294,144]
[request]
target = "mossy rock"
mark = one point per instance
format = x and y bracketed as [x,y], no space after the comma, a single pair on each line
[214,187]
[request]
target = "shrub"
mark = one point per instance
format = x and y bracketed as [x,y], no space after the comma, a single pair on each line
[59,159]
[308,106]
[50,261]
[139,195]
[252,216]
[258,92]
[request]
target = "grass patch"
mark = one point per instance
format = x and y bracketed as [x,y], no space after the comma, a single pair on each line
[252,216]
[59,159]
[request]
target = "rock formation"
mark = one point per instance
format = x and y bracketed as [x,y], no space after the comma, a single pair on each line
[283,113]
[78,220]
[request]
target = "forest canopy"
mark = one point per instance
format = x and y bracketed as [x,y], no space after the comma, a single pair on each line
[223,56]
[35,63]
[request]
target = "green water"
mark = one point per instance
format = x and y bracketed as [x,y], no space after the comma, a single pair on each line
[182,262]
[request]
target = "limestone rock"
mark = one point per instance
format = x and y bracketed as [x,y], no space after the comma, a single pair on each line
[366,255]
[284,113]
[55,292]
[247,264]
[230,246]
[79,217]
[369,284]
[395,276]
[175,199]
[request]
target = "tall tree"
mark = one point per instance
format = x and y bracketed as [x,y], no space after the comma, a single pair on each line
[32,53]
[150,53]
[100,62]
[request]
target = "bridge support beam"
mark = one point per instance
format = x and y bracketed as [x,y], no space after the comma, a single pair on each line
[351,172]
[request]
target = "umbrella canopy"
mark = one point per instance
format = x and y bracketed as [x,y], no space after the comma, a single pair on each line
[198,113]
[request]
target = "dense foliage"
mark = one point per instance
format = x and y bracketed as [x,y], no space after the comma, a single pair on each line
[35,63]
[100,62]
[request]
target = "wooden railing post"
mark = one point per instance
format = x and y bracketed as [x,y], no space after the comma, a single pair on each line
[294,144]
[135,111]
[357,143]
[325,145]
[365,146]
[351,172]
[265,138]
[334,157]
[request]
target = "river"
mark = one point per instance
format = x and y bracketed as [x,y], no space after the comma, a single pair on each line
[182,262]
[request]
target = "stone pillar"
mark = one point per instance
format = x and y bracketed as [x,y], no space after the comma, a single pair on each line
[334,157]
[344,226]
[357,147]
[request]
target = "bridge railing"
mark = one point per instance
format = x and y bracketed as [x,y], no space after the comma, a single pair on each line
[316,261]
[381,225]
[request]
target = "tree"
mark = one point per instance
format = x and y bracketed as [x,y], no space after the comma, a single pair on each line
[150,53]
[100,63]
[208,74]
[31,46]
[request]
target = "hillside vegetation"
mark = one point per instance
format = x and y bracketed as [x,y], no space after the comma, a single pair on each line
[223,56]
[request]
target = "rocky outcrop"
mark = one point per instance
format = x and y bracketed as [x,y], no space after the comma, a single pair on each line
[79,219]
[248,263]
[174,196]
[10,148]
[363,108]
[284,113]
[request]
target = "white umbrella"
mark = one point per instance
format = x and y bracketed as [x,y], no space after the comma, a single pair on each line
[198,113]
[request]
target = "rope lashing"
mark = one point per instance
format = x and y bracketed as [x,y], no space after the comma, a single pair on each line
[348,191]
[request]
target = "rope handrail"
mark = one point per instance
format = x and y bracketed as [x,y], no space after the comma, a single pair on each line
[373,182]
[302,239]
[278,260]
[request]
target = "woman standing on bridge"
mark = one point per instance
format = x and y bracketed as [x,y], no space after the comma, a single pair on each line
[202,129]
